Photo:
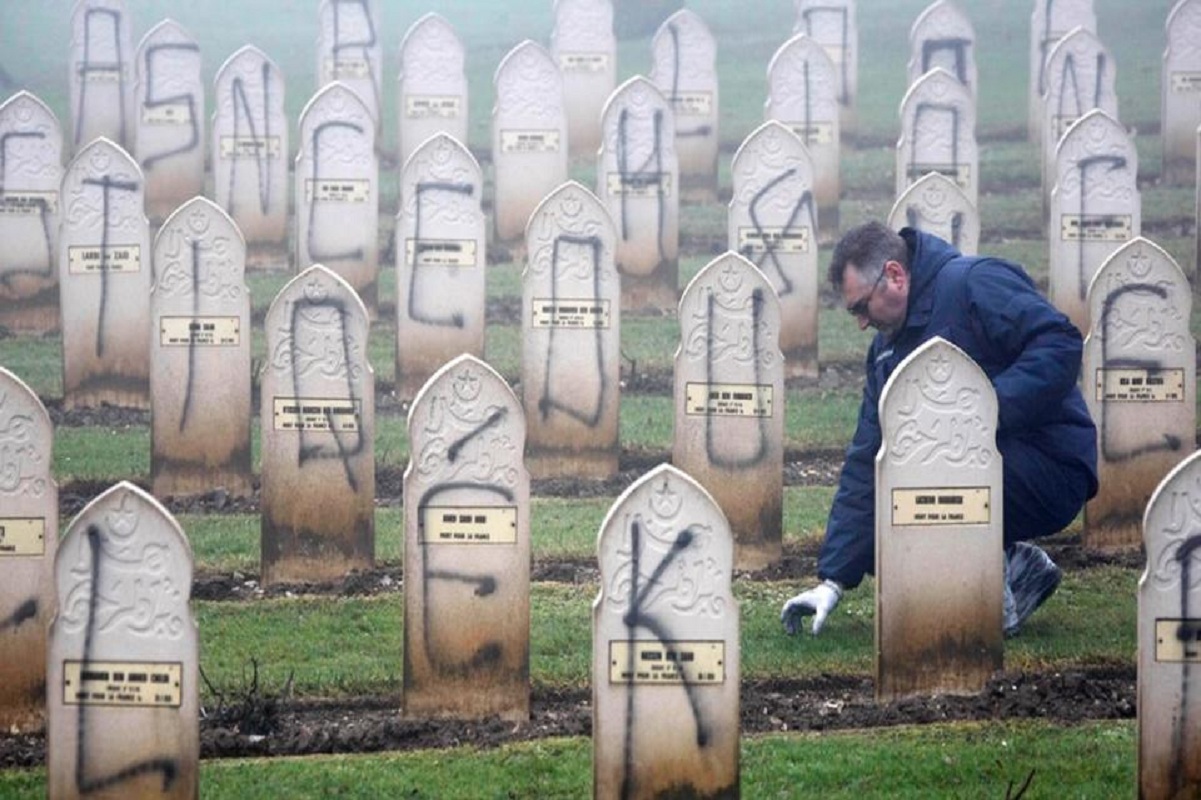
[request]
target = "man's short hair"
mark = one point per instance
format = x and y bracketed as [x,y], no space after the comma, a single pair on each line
[867,246]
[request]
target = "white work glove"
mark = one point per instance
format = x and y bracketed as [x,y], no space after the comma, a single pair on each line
[818,601]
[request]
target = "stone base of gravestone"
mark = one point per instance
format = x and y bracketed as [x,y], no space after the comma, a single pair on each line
[801,362]
[38,313]
[828,231]
[111,390]
[589,465]
[173,477]
[658,289]
[273,257]
[698,190]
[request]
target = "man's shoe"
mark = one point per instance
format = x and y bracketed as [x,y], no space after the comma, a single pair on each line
[1030,577]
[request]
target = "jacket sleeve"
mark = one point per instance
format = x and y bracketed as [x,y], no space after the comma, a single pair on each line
[849,549]
[1038,342]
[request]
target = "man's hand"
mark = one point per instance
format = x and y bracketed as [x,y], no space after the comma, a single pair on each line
[818,601]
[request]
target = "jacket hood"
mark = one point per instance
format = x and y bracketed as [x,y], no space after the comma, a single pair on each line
[927,256]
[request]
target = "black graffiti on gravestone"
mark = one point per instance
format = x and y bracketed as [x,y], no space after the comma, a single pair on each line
[262,145]
[317,451]
[106,185]
[87,66]
[844,96]
[1187,632]
[1045,42]
[649,173]
[1083,165]
[363,46]
[39,202]
[956,46]
[188,99]
[918,113]
[314,254]
[189,383]
[1168,442]
[456,318]
[24,612]
[1081,103]
[489,653]
[637,617]
[711,344]
[915,220]
[548,402]
[168,766]
[770,246]
[674,98]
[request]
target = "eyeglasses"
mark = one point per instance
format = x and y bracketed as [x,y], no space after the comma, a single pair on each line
[859,307]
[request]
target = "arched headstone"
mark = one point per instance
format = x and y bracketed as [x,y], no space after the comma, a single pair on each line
[28,541]
[432,84]
[100,73]
[585,48]
[467,549]
[318,424]
[933,203]
[200,355]
[943,36]
[349,49]
[122,683]
[938,513]
[1181,91]
[29,214]
[105,271]
[938,133]
[1049,21]
[665,646]
[571,337]
[729,402]
[834,25]
[441,266]
[772,222]
[1139,382]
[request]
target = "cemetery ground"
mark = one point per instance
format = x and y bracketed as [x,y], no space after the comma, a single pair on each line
[314,670]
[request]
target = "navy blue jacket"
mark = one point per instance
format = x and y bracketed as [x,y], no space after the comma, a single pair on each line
[1030,351]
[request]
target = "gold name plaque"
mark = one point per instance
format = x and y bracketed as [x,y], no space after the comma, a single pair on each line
[87,259]
[952,505]
[249,147]
[1140,385]
[583,62]
[815,132]
[571,313]
[792,240]
[200,331]
[348,190]
[423,106]
[338,69]
[1178,640]
[693,104]
[469,525]
[960,173]
[529,141]
[642,184]
[22,536]
[1186,81]
[146,684]
[1095,227]
[168,114]
[667,662]
[98,74]
[441,252]
[728,400]
[22,204]
[316,414]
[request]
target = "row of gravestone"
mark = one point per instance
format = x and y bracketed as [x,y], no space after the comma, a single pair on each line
[123,653]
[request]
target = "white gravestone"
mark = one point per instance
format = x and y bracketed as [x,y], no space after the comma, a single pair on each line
[337,190]
[529,136]
[665,645]
[122,683]
[200,355]
[1139,376]
[1080,75]
[833,24]
[772,222]
[28,540]
[250,153]
[684,67]
[585,49]
[467,549]
[638,180]
[1181,91]
[100,73]
[318,424]
[1169,627]
[440,262]
[169,116]
[1050,20]
[1197,226]
[349,49]
[802,95]
[31,144]
[571,337]
[105,272]
[729,402]
[935,204]
[943,36]
[432,84]
[1095,208]
[938,133]
[938,513]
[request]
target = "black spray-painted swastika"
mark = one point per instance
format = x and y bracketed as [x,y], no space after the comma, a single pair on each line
[87,66]
[262,143]
[188,99]
[423,188]
[7,138]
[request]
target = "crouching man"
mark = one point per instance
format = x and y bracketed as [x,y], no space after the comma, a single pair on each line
[912,286]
